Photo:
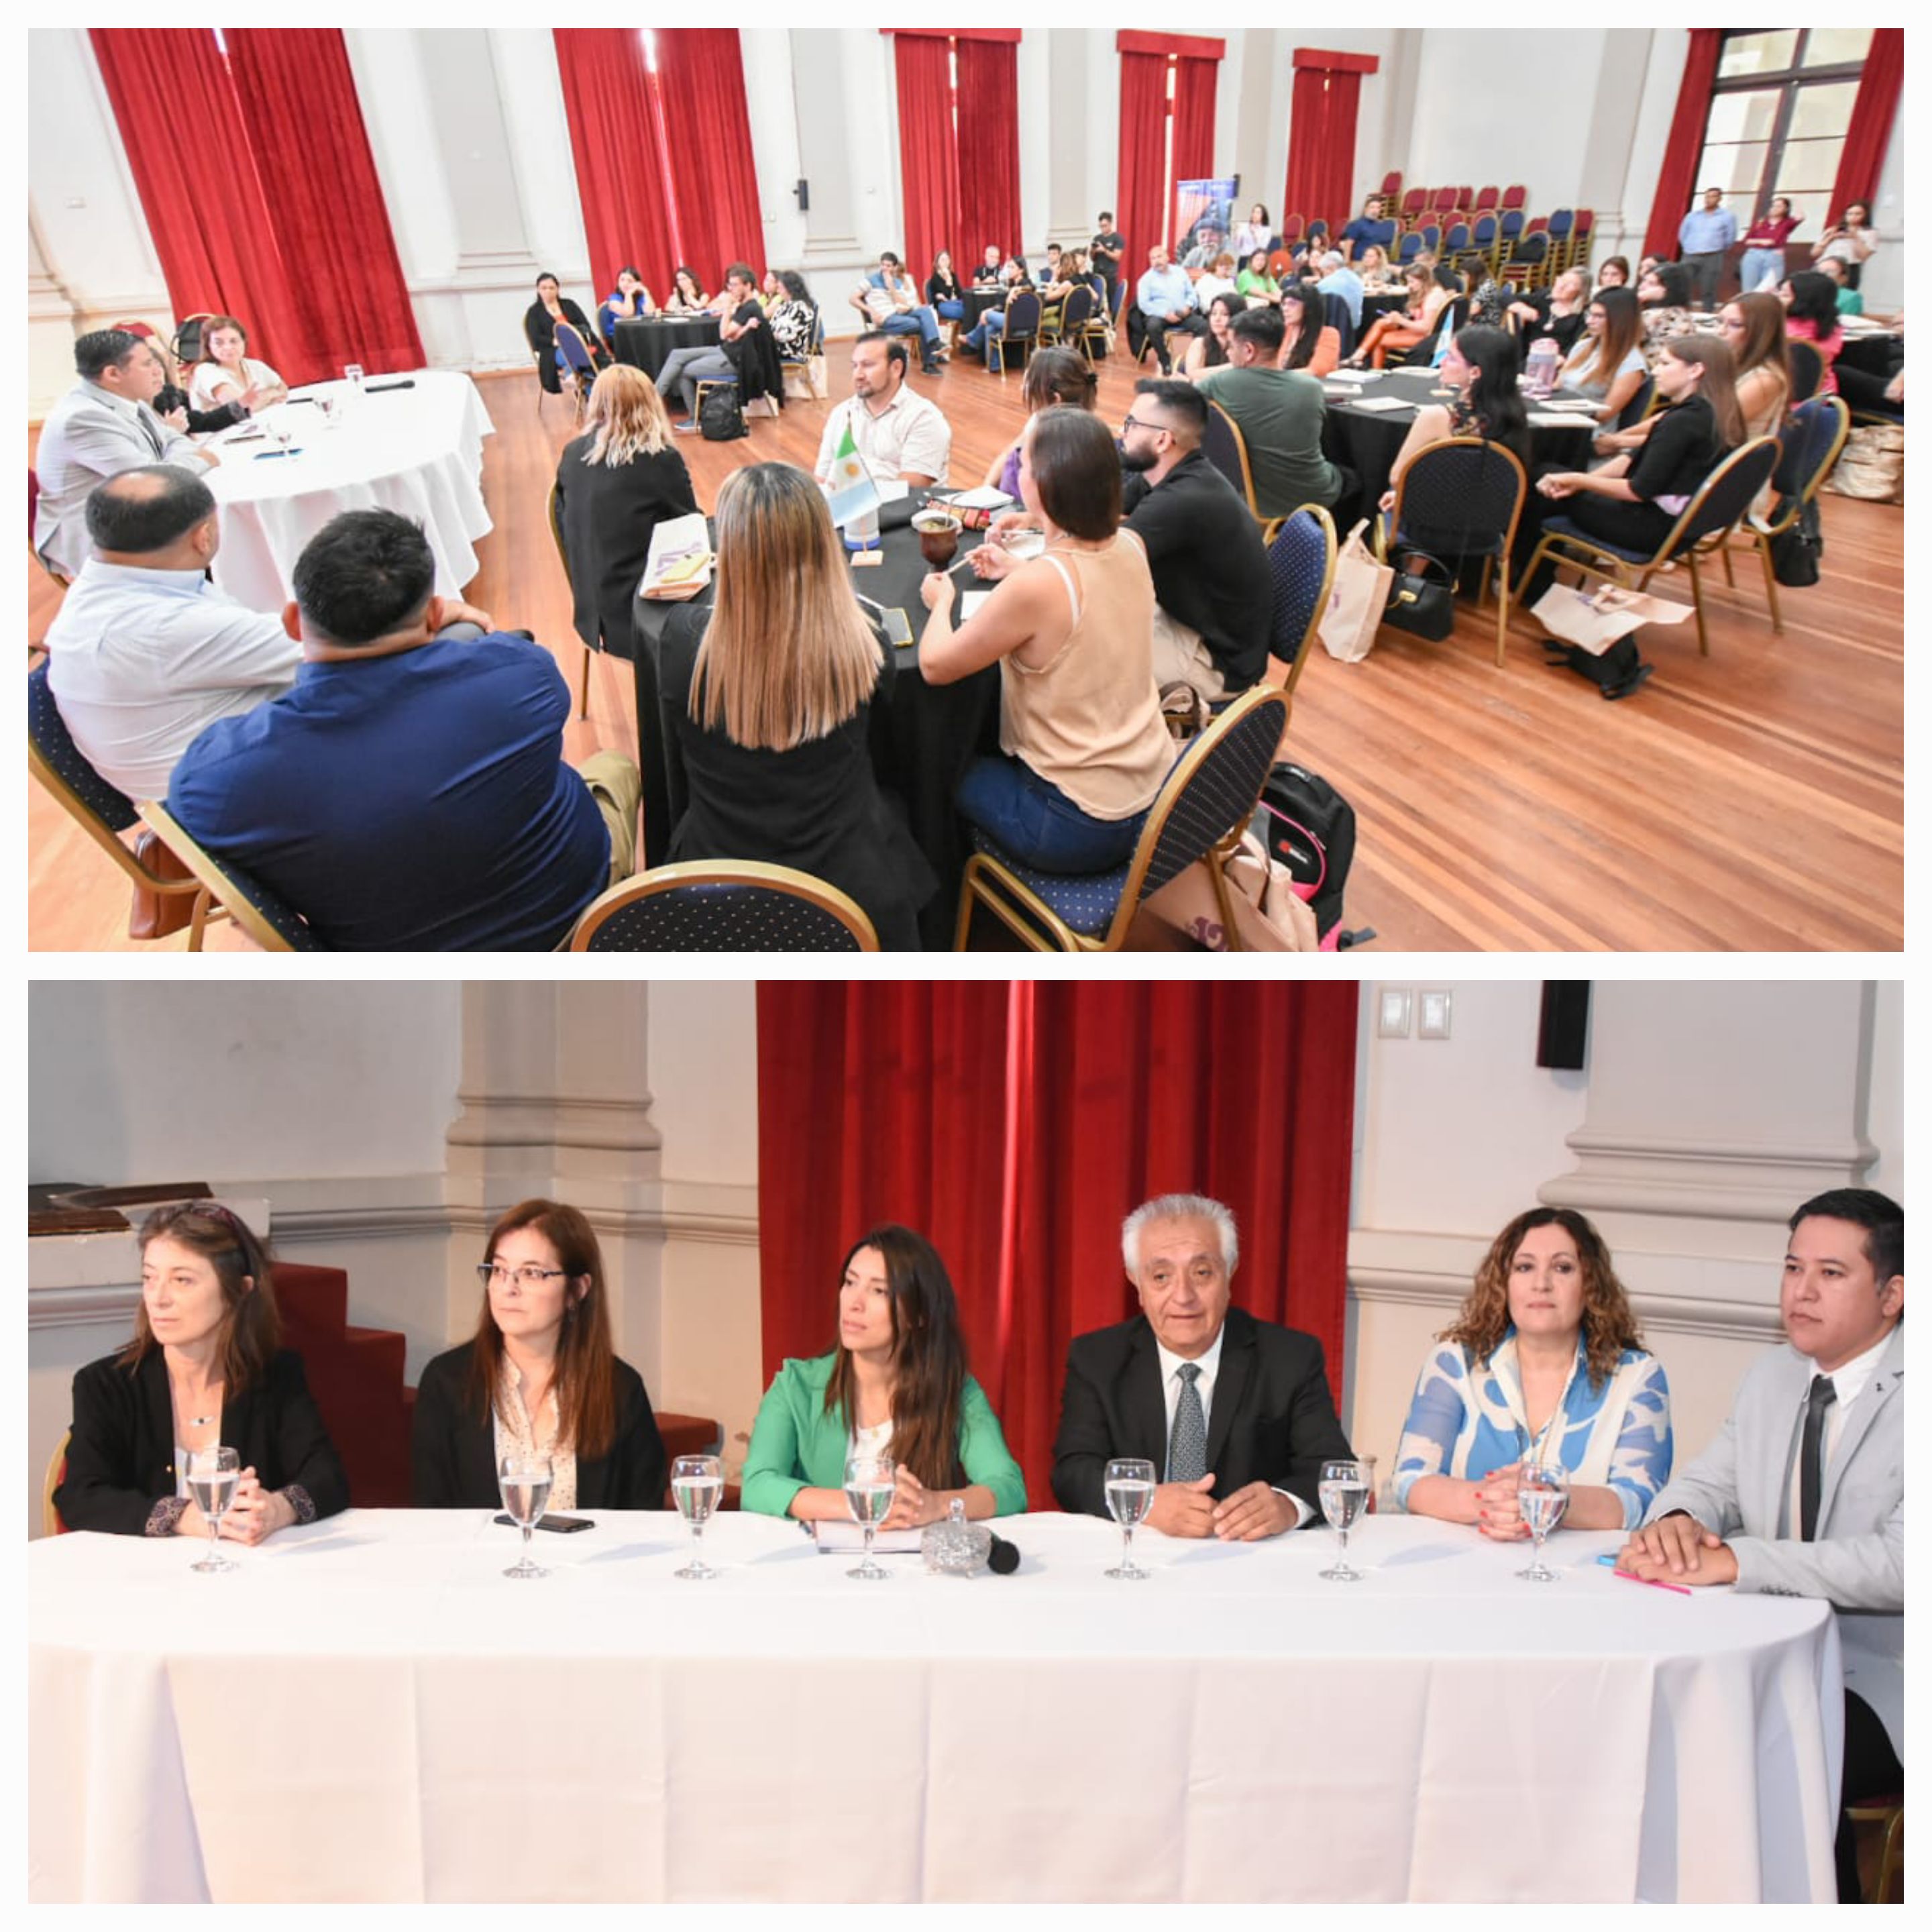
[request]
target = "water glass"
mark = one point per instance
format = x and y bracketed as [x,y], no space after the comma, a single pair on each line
[1345,1490]
[1129,1493]
[212,1474]
[525,1482]
[871,1483]
[697,1482]
[353,374]
[1542,1496]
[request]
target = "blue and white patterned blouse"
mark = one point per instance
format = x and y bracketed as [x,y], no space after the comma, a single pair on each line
[1465,1421]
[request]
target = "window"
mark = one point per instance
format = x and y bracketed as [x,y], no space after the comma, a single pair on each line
[1780,110]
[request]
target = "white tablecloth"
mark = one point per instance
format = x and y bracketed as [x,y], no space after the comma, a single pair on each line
[369,1711]
[419,451]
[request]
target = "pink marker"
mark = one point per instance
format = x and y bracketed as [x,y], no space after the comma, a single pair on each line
[1655,1582]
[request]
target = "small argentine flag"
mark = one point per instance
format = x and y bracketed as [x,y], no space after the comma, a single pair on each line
[853,492]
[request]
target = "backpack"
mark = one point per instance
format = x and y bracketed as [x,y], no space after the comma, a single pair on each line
[1795,553]
[721,420]
[1304,822]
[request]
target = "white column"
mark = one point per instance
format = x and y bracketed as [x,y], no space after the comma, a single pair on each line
[771,107]
[1037,145]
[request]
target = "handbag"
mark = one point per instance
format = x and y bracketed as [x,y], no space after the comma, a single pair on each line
[1873,465]
[155,915]
[1794,552]
[1421,600]
[1356,600]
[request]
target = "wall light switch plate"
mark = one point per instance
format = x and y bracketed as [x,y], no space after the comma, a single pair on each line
[1392,1012]
[1432,1016]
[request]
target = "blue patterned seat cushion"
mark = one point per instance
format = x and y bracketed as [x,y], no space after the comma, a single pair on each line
[1086,901]
[1561,526]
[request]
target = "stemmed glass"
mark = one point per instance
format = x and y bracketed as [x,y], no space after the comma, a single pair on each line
[1344,1492]
[871,1483]
[1542,1496]
[525,1482]
[697,1482]
[212,1474]
[1129,1493]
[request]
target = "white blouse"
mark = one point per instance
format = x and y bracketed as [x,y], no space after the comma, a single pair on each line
[517,1435]
[208,377]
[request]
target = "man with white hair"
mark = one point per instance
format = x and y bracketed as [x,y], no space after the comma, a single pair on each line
[1338,279]
[1234,1414]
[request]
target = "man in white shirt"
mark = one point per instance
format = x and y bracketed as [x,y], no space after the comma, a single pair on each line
[1234,1414]
[1338,279]
[898,432]
[1803,1492]
[100,427]
[890,301]
[144,652]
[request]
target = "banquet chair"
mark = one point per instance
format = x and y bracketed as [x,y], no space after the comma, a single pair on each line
[1316,236]
[1431,233]
[1280,262]
[1301,571]
[1515,196]
[1888,1814]
[1814,436]
[1705,526]
[1070,324]
[1483,233]
[1022,327]
[186,347]
[1199,813]
[574,360]
[1562,220]
[1577,256]
[1335,315]
[1408,248]
[1639,406]
[1524,267]
[1391,184]
[793,365]
[1413,201]
[269,921]
[1488,197]
[1224,445]
[723,906]
[1291,226]
[1807,371]
[1471,487]
[51,1524]
[563,557]
[1509,228]
[94,806]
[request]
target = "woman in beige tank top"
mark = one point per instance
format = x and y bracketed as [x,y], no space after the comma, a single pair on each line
[1072,631]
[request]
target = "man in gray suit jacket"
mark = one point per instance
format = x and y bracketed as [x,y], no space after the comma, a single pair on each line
[1803,1493]
[102,426]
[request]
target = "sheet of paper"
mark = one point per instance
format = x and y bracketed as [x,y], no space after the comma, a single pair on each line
[984,498]
[1382,403]
[971,602]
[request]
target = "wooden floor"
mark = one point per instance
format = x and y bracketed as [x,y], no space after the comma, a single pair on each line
[1752,801]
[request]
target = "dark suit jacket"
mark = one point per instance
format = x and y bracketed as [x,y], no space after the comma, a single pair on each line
[453,1450]
[1271,1420]
[121,1458]
[609,515]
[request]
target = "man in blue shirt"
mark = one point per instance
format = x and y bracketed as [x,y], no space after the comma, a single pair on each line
[1338,279]
[409,792]
[1365,228]
[1702,236]
[1165,301]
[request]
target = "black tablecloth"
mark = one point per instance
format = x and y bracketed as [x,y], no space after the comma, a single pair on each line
[1875,355]
[646,342]
[1369,440]
[1375,305]
[977,302]
[921,743]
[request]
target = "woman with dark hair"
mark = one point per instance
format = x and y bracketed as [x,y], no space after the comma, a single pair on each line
[1481,367]
[1254,282]
[1811,315]
[1762,265]
[538,1379]
[227,373]
[540,320]
[1543,1363]
[628,301]
[794,316]
[1211,351]
[1307,341]
[1852,238]
[1085,750]
[895,1384]
[942,290]
[1053,376]
[1256,233]
[687,295]
[1664,297]
[203,1371]
[1608,359]
[766,698]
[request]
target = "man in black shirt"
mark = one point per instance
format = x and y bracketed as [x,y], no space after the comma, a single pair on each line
[1105,254]
[1213,596]
[687,368]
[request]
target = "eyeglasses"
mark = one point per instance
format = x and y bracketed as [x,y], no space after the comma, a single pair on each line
[1135,422]
[490,1273]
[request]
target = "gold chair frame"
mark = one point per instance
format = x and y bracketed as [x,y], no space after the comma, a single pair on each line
[725,872]
[220,889]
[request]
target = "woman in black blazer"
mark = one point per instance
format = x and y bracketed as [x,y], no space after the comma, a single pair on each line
[202,1370]
[615,485]
[540,322]
[538,1379]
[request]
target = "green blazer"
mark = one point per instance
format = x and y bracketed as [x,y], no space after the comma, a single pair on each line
[796,1445]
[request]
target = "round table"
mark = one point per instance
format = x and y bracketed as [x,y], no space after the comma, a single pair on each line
[646,342]
[977,302]
[921,743]
[417,449]
[1369,440]
[368,1710]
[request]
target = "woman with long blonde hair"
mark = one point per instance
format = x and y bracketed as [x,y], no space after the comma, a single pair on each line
[765,696]
[615,484]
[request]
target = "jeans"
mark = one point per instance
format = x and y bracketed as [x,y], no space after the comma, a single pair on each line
[951,311]
[909,320]
[1038,824]
[1757,263]
[993,322]
[687,368]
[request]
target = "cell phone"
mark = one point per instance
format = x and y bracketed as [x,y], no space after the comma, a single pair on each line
[562,1525]
[898,628]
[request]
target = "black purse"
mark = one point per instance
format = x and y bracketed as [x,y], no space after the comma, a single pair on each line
[1421,600]
[1794,552]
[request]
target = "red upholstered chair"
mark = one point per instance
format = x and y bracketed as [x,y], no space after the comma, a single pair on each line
[1486,197]
[1413,201]
[1444,201]
[1516,195]
[1391,183]
[355,1375]
[1292,225]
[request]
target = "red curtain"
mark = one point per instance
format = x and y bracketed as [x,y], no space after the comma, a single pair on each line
[210,224]
[1193,127]
[928,154]
[708,137]
[297,97]
[1015,1125]
[1322,145]
[1873,113]
[989,178]
[615,141]
[1678,180]
[1140,185]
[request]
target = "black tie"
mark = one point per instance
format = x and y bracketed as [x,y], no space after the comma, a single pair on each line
[1811,1470]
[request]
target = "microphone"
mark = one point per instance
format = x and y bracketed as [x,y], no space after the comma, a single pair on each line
[1002,1558]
